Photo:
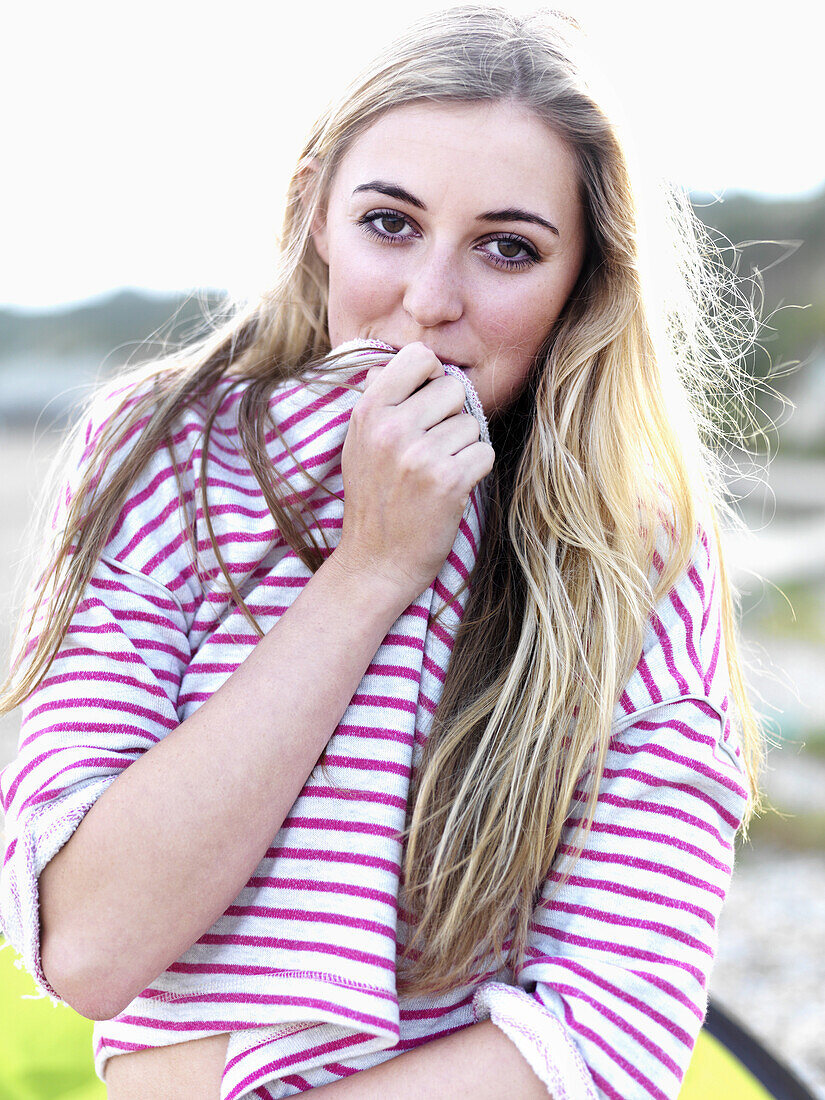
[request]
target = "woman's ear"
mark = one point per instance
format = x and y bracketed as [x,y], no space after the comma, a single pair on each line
[308,182]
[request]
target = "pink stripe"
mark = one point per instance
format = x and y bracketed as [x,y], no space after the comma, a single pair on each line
[152,525]
[637,863]
[358,859]
[685,789]
[285,944]
[405,640]
[616,1057]
[437,1011]
[368,827]
[317,791]
[648,681]
[648,836]
[141,497]
[717,645]
[602,916]
[623,1026]
[106,677]
[368,764]
[274,1068]
[386,702]
[647,896]
[643,807]
[89,728]
[339,1069]
[93,702]
[393,670]
[614,948]
[51,794]
[419,1041]
[311,916]
[605,1086]
[465,530]
[674,992]
[43,756]
[295,1079]
[118,1044]
[690,763]
[623,995]
[102,584]
[667,651]
[376,732]
[685,616]
[285,882]
[459,566]
[435,669]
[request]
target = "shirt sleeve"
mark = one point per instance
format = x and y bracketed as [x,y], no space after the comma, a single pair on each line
[613,991]
[110,693]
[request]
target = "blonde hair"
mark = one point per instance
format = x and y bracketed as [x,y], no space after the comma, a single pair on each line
[615,424]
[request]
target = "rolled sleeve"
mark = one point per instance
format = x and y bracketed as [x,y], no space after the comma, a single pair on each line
[109,695]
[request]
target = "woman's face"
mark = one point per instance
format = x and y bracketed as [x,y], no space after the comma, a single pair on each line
[458,225]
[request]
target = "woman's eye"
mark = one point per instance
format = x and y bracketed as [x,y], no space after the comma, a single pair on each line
[391,225]
[511,252]
[385,224]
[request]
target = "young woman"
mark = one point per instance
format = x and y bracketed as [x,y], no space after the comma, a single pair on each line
[384,732]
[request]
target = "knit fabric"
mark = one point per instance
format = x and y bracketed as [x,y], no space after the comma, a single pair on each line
[300,969]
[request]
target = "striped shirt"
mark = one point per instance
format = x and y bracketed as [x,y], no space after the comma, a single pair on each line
[300,969]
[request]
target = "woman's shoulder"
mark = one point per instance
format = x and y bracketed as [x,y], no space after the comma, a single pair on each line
[117,448]
[124,410]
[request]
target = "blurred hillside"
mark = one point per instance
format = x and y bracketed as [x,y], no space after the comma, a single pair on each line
[783,239]
[49,359]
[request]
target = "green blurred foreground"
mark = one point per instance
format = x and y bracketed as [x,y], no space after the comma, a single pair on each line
[45,1049]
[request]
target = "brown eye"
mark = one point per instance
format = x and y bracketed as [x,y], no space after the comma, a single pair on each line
[509,249]
[391,224]
[510,253]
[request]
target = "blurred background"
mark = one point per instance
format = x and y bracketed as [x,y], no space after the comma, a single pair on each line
[147,149]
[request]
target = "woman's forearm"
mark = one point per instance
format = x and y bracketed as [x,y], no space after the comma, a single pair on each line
[172,841]
[477,1063]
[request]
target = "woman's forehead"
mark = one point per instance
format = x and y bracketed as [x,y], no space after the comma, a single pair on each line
[497,152]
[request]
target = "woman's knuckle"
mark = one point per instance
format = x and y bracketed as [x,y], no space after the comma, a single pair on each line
[458,393]
[469,421]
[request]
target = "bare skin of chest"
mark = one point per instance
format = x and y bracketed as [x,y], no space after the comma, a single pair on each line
[193,1068]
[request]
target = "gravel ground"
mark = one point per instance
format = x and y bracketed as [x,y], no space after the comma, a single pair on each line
[770,970]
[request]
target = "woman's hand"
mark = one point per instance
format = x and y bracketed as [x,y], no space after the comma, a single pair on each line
[411,458]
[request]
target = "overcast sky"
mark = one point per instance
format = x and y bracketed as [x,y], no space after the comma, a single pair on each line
[150,144]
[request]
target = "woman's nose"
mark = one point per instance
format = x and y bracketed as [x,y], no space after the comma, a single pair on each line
[433,293]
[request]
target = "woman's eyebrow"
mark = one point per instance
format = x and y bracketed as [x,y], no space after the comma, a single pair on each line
[392,190]
[511,214]
[514,214]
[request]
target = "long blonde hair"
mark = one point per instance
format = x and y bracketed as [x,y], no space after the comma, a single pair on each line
[617,417]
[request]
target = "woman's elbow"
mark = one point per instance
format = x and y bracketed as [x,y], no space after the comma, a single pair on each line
[88,989]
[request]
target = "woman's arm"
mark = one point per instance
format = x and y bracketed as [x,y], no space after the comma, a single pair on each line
[172,840]
[477,1062]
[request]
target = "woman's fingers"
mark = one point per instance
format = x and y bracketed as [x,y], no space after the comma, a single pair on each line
[455,433]
[436,401]
[411,458]
[409,369]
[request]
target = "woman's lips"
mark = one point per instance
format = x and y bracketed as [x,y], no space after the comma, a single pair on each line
[444,359]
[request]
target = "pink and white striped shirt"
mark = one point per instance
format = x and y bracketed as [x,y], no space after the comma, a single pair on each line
[300,969]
